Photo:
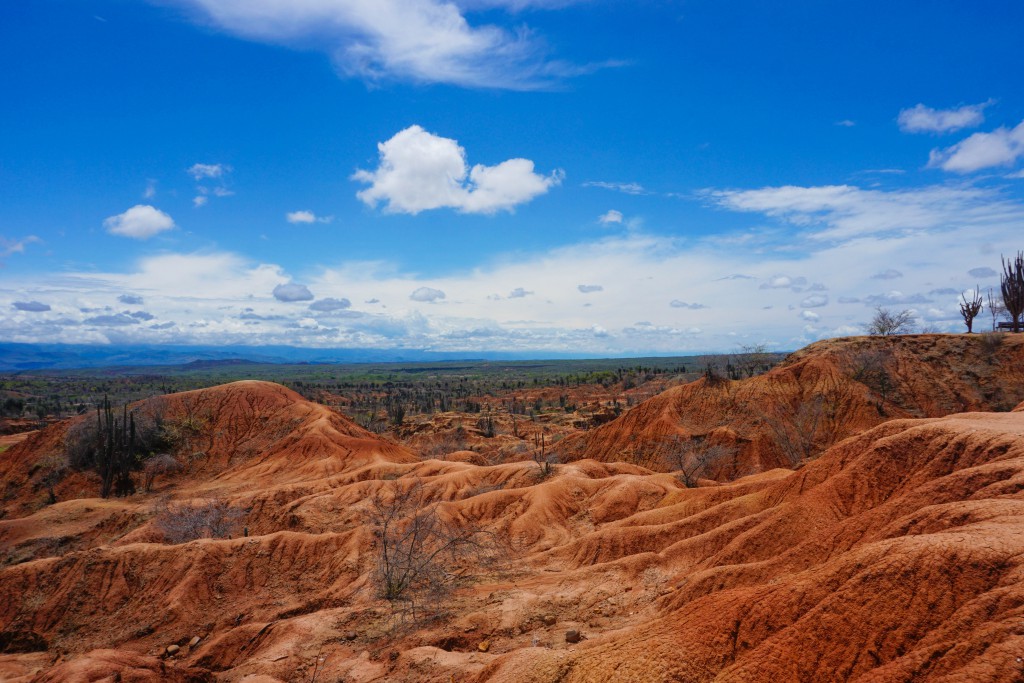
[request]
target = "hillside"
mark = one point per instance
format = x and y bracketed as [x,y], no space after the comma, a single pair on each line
[818,396]
[894,556]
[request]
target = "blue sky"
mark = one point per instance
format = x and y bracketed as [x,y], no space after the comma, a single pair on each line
[553,176]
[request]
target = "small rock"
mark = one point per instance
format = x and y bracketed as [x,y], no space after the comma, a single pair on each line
[484,646]
[470,629]
[573,636]
[351,635]
[549,619]
[172,650]
[195,641]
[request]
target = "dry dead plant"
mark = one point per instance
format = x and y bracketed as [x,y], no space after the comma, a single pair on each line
[184,522]
[421,554]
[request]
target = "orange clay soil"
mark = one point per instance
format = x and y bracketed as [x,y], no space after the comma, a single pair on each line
[831,389]
[898,555]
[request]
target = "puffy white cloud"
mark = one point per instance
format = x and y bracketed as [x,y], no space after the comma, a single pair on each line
[306,217]
[814,301]
[140,222]
[31,306]
[200,171]
[588,289]
[200,200]
[292,292]
[922,119]
[419,171]
[612,216]
[418,40]
[1002,147]
[810,316]
[427,294]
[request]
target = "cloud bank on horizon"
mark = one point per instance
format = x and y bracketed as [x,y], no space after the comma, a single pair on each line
[469,177]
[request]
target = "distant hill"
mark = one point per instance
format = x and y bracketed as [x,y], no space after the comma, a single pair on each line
[20,357]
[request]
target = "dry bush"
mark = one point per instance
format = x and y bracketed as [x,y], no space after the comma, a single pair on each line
[804,430]
[693,459]
[159,465]
[421,555]
[885,322]
[181,523]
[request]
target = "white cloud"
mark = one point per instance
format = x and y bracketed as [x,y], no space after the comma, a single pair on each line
[199,200]
[292,292]
[627,188]
[922,119]
[427,41]
[518,293]
[306,217]
[846,123]
[427,294]
[676,303]
[420,171]
[1002,147]
[982,271]
[330,304]
[612,216]
[810,316]
[9,246]
[814,301]
[838,212]
[588,289]
[200,171]
[150,190]
[139,222]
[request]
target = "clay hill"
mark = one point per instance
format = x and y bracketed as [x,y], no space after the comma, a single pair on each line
[897,554]
[818,396]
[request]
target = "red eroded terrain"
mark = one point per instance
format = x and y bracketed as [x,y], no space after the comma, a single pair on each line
[890,550]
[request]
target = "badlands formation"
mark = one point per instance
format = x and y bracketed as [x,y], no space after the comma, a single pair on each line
[865,523]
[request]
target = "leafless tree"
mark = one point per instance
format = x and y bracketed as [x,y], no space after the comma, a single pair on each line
[421,555]
[753,359]
[693,458]
[885,322]
[803,430]
[970,309]
[184,522]
[1011,282]
[159,465]
[995,308]
[873,368]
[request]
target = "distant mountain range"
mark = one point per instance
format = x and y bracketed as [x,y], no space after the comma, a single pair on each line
[19,357]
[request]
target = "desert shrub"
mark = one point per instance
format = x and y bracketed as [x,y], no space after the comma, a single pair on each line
[183,522]
[420,554]
[989,343]
[692,458]
[885,322]
[161,464]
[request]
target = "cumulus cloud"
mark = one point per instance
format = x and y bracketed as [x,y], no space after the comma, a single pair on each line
[292,292]
[518,293]
[306,217]
[784,282]
[890,274]
[427,294]
[141,315]
[329,304]
[627,188]
[201,171]
[814,301]
[922,119]
[810,316]
[140,222]
[587,289]
[130,299]
[31,306]
[676,303]
[984,271]
[612,216]
[843,212]
[428,41]
[419,171]
[1002,147]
